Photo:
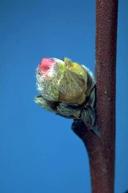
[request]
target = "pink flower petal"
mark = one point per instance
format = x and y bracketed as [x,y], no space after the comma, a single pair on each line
[46,64]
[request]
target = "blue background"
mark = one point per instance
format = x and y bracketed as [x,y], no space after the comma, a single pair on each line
[38,151]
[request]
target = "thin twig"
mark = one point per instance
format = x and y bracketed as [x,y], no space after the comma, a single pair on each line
[101,150]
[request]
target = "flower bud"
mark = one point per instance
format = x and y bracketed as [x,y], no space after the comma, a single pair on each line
[62,81]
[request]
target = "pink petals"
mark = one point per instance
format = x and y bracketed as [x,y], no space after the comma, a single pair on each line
[46,64]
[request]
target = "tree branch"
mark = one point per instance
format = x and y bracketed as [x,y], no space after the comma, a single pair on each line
[101,150]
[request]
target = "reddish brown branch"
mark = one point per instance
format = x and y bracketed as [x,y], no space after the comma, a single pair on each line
[106,35]
[101,150]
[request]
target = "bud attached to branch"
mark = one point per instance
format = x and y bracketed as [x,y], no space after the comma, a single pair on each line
[66,88]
